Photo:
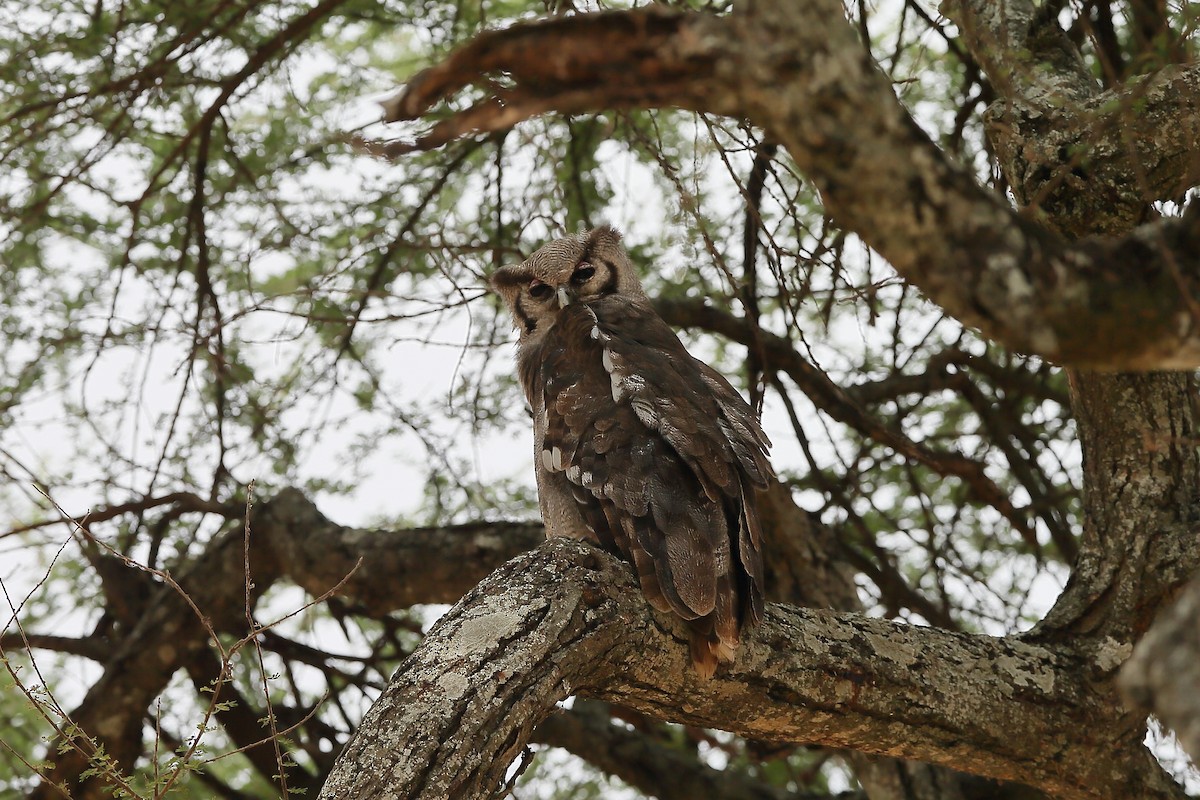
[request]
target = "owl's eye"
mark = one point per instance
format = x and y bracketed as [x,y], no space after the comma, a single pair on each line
[539,290]
[583,273]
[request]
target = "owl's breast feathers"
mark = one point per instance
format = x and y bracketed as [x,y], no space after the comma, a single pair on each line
[662,459]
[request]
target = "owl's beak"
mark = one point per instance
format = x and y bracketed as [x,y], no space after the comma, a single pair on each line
[564,297]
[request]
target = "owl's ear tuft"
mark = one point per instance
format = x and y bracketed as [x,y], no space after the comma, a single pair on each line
[604,234]
[507,277]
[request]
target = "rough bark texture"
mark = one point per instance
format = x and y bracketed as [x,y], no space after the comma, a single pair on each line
[1164,672]
[1088,160]
[1080,273]
[1142,491]
[799,71]
[568,619]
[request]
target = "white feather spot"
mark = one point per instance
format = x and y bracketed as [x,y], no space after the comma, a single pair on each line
[646,412]
[547,463]
[616,387]
[585,479]
[556,459]
[573,473]
[606,360]
[596,332]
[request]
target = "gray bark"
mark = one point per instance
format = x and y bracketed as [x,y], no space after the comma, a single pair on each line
[568,619]
[1141,496]
[799,71]
[1164,673]
[1085,160]
[1081,274]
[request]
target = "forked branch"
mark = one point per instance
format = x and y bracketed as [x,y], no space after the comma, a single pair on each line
[799,71]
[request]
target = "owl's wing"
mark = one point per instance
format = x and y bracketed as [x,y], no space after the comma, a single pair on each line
[633,491]
[661,454]
[724,431]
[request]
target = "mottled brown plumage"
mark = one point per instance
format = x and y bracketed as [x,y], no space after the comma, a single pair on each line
[637,445]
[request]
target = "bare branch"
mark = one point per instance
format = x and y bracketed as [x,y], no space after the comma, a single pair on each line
[799,71]
[655,768]
[291,540]
[651,57]
[568,618]
[398,568]
[777,353]
[186,501]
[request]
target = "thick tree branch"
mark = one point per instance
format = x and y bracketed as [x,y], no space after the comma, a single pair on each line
[1059,137]
[655,768]
[568,618]
[1164,673]
[808,564]
[1012,38]
[1091,160]
[1141,505]
[387,570]
[92,647]
[612,60]
[290,539]
[799,71]
[141,664]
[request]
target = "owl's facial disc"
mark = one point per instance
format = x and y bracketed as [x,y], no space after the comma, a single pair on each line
[579,286]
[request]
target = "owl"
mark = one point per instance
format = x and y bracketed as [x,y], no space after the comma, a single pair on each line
[638,446]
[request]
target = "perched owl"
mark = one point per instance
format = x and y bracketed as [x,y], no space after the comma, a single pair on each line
[637,445]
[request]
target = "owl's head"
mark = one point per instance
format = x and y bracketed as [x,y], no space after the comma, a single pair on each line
[576,269]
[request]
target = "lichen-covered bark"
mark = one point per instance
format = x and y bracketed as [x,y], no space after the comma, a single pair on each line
[799,71]
[1141,497]
[568,619]
[1086,160]
[1164,673]
[1080,273]
[807,564]
[1140,535]
[462,707]
[1090,162]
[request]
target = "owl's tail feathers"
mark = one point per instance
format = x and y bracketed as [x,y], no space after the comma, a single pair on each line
[739,593]
[708,651]
[749,551]
[715,636]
